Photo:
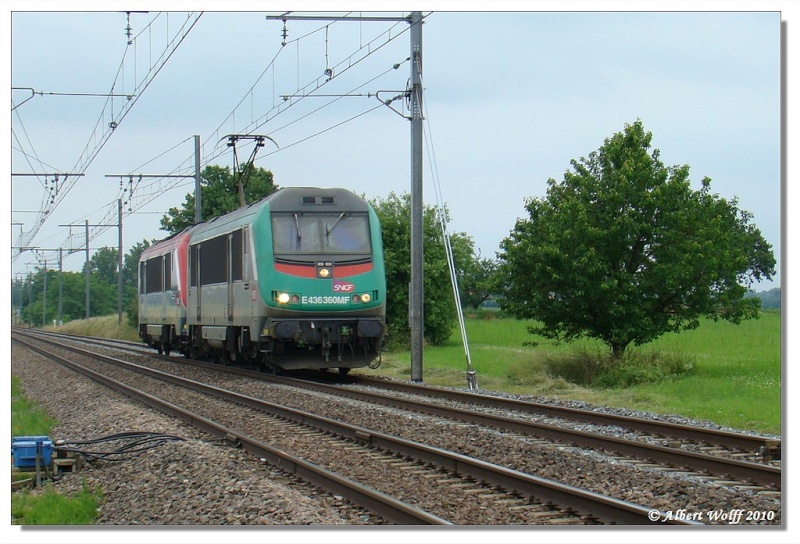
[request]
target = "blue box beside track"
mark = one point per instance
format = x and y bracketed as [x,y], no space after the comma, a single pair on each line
[24,449]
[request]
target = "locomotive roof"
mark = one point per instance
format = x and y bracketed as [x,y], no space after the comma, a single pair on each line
[167,244]
[291,199]
[288,199]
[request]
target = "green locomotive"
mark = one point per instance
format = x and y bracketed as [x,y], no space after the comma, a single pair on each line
[293,281]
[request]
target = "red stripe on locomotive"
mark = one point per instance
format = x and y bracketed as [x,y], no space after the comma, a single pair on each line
[340,271]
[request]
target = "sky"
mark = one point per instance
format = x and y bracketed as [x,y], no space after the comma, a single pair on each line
[509,100]
[511,97]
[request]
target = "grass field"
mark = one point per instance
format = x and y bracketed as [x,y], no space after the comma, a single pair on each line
[734,375]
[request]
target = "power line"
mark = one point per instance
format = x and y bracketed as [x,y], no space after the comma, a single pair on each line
[348,62]
[140,195]
[219,150]
[43,93]
[88,156]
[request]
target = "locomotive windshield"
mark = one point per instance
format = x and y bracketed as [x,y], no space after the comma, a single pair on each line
[321,234]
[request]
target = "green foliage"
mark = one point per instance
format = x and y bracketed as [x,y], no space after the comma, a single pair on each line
[104,264]
[734,379]
[132,312]
[439,309]
[478,281]
[623,250]
[49,507]
[52,508]
[219,196]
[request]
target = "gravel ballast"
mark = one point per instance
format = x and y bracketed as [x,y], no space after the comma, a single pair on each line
[197,481]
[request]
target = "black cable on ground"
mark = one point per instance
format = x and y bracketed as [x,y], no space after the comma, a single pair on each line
[128,445]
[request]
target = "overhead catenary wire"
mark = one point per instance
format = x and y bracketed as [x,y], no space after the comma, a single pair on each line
[215,153]
[348,62]
[90,153]
[141,194]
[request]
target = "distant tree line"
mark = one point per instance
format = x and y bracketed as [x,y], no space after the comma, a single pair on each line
[27,294]
[770,300]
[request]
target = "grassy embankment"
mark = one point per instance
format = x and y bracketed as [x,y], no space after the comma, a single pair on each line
[103,327]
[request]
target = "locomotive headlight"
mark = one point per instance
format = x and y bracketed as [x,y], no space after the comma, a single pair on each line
[283,298]
[366,297]
[324,272]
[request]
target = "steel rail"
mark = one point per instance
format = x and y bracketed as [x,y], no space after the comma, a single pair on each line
[727,468]
[591,505]
[723,438]
[375,501]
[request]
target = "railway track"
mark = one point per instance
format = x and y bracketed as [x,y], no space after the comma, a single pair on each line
[720,455]
[525,497]
[753,445]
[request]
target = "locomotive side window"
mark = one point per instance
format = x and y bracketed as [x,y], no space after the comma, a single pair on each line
[154,275]
[342,234]
[167,271]
[193,266]
[214,260]
[236,255]
[141,277]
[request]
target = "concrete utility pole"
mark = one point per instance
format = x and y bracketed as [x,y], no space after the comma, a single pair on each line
[119,264]
[44,297]
[416,313]
[416,295]
[87,271]
[60,286]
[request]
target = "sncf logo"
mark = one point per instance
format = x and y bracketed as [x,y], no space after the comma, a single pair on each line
[343,287]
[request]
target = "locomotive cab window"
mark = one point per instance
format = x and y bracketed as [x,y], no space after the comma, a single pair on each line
[321,234]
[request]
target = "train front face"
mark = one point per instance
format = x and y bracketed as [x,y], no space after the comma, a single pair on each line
[321,276]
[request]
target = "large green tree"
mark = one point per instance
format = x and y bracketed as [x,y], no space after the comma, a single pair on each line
[439,310]
[624,250]
[104,264]
[218,195]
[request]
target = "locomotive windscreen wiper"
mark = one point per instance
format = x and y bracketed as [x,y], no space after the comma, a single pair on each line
[328,231]
[299,238]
